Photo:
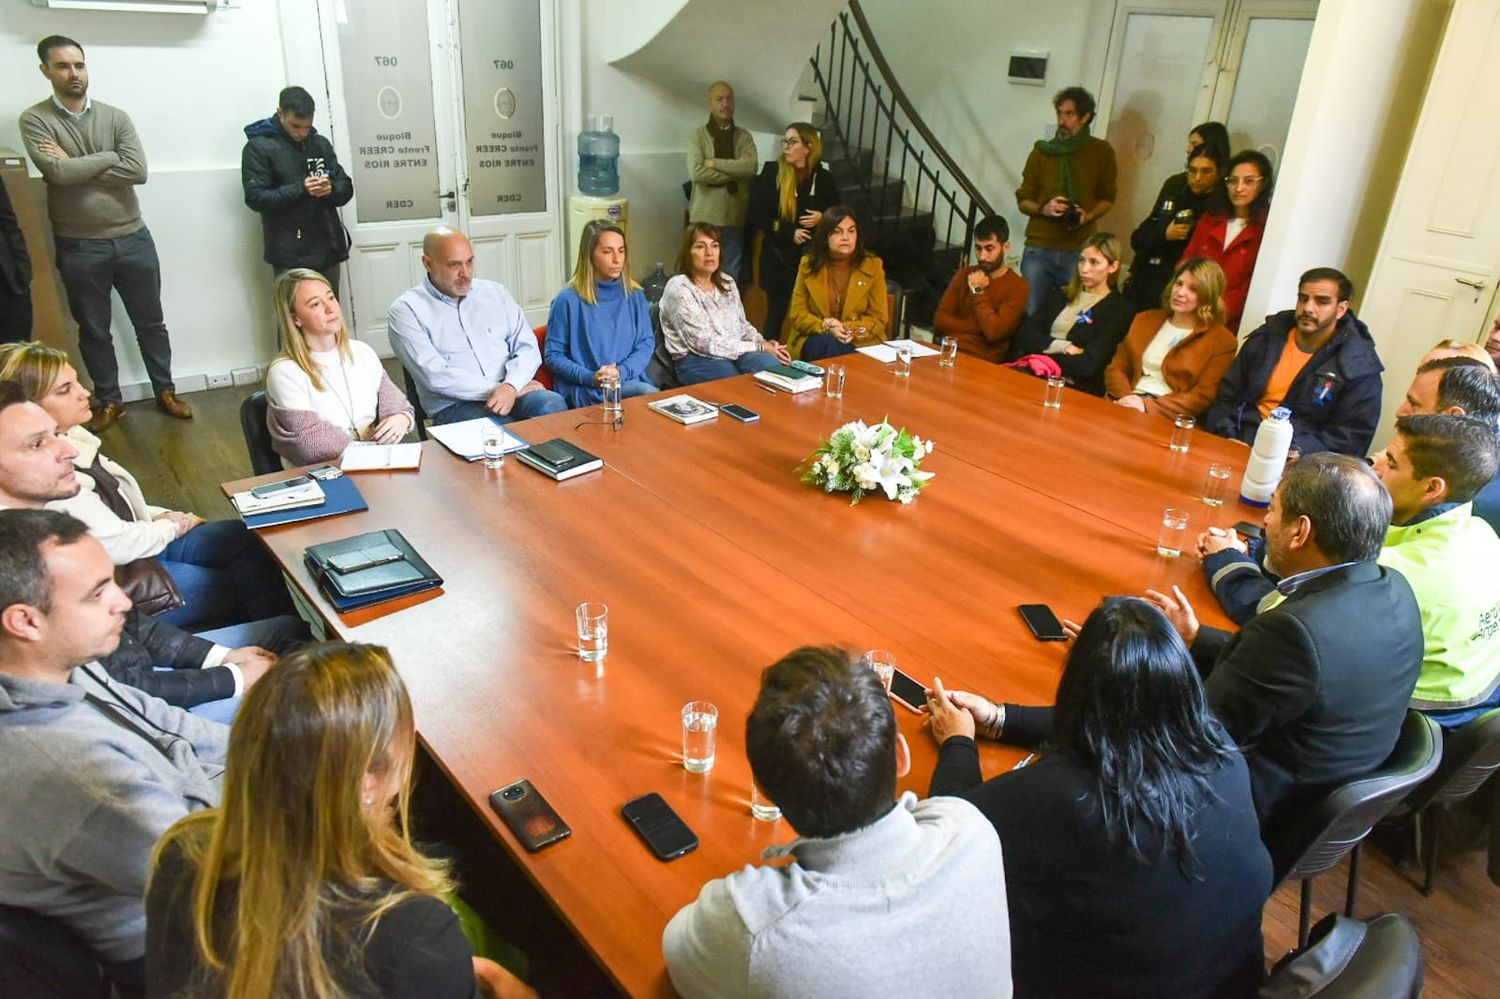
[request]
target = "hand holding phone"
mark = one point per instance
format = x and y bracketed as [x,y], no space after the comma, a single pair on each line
[908,693]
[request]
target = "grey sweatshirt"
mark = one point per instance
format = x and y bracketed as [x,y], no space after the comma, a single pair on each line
[913,903]
[93,773]
[91,194]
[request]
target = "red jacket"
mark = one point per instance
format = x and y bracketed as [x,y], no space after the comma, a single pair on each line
[1238,259]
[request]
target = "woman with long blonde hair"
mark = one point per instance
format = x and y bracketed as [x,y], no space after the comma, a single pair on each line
[326,389]
[599,328]
[787,201]
[304,882]
[1173,358]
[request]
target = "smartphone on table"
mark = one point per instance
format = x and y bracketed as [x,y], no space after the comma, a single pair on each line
[522,808]
[1043,623]
[735,411]
[269,489]
[660,827]
[908,692]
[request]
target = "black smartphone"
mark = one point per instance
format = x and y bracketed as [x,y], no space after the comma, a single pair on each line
[269,489]
[1248,530]
[735,411]
[553,453]
[907,692]
[655,822]
[523,808]
[1043,623]
[365,558]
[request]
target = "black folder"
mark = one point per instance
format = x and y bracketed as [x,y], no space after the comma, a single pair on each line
[369,569]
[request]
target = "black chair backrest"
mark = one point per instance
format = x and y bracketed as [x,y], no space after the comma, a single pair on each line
[40,957]
[1352,959]
[1346,814]
[1470,756]
[661,370]
[418,413]
[263,457]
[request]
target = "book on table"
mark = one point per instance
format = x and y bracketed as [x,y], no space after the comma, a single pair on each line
[559,459]
[369,568]
[684,409]
[788,379]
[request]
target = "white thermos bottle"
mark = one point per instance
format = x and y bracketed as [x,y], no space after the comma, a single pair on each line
[1267,458]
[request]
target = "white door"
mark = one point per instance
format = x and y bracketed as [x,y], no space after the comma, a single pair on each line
[1174,63]
[445,113]
[1439,260]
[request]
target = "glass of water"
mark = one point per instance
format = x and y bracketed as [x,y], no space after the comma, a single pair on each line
[700,723]
[949,355]
[1055,386]
[1216,485]
[613,411]
[1182,433]
[903,360]
[593,631]
[492,440]
[884,665]
[1174,524]
[761,807]
[833,381]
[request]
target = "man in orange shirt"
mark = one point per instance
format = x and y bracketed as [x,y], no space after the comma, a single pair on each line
[984,303]
[1318,360]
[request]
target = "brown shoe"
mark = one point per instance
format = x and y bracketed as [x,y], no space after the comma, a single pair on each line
[174,407]
[104,417]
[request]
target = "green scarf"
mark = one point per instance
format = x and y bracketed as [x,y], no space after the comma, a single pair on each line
[1062,150]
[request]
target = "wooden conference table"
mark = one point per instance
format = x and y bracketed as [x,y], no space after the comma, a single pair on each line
[715,560]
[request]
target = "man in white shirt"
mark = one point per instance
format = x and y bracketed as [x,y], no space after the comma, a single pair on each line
[876,887]
[466,342]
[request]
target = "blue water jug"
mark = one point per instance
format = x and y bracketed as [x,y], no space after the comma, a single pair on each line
[599,157]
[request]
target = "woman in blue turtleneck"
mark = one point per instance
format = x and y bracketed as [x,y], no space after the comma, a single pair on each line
[600,324]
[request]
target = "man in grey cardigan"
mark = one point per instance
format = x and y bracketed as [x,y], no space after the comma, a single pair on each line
[95,771]
[876,888]
[91,158]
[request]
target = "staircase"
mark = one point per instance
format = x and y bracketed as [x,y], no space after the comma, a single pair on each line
[916,207]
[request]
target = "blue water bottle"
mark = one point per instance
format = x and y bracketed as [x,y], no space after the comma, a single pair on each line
[599,157]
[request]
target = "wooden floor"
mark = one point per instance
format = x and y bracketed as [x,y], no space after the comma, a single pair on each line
[180,465]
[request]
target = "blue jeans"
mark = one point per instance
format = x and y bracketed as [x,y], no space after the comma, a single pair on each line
[732,252]
[1044,270]
[695,369]
[226,575]
[91,269]
[537,402]
[280,635]
[823,345]
[1452,718]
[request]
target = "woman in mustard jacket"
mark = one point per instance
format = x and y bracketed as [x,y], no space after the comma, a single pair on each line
[1172,359]
[839,302]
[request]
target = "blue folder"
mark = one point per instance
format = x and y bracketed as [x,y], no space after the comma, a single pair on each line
[340,495]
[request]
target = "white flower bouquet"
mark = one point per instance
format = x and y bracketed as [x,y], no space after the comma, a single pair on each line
[858,459]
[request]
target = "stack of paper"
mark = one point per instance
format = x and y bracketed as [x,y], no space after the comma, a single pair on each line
[362,456]
[465,439]
[886,352]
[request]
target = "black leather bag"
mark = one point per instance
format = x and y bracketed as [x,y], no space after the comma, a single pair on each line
[1345,958]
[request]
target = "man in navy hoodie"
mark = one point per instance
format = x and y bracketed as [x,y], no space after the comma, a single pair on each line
[293,179]
[1317,360]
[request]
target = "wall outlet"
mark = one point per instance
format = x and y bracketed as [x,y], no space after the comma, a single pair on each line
[246,376]
[220,381]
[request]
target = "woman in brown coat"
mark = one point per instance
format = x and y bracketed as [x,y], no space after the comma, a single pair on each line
[1172,359]
[839,302]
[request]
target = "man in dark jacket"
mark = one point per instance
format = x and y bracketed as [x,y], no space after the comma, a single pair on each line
[15,276]
[1317,360]
[293,179]
[1159,240]
[1315,687]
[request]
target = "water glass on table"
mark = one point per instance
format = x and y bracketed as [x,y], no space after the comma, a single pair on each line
[700,723]
[883,663]
[592,619]
[492,441]
[761,807]
[1216,486]
[1182,433]
[1055,386]
[833,381]
[1174,524]
[903,360]
[613,411]
[949,356]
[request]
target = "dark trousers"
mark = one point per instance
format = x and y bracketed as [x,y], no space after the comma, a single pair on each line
[15,314]
[330,271]
[91,269]
[778,300]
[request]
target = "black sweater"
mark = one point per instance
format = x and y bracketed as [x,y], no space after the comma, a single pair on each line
[1088,920]
[1108,322]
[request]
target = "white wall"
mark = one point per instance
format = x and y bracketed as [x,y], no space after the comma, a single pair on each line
[189,82]
[951,61]
[1362,88]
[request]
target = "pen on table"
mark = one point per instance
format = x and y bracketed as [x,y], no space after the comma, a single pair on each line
[1025,763]
[765,388]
